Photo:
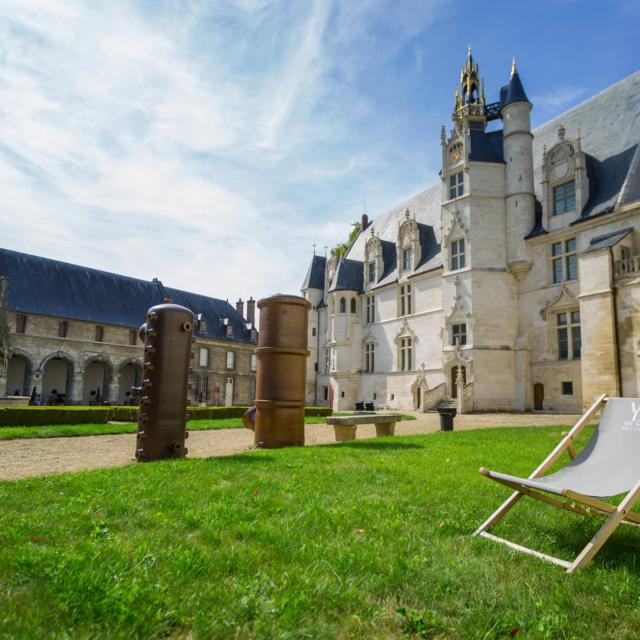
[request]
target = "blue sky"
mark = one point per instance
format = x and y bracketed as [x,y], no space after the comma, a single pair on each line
[212,143]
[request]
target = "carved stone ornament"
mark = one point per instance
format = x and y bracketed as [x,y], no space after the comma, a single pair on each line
[520,269]
[455,221]
[405,331]
[563,297]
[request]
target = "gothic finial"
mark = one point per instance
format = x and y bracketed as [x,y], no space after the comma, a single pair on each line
[443,135]
[514,69]
[561,133]
[469,55]
[407,213]
[314,248]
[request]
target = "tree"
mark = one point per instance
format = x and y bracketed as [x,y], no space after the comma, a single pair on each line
[341,249]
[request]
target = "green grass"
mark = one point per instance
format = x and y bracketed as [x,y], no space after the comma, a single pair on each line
[74,430]
[366,539]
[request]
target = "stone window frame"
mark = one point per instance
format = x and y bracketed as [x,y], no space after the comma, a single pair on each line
[565,200]
[369,309]
[456,185]
[369,356]
[461,333]
[564,320]
[21,322]
[133,337]
[230,360]
[405,300]
[460,256]
[253,362]
[343,305]
[99,334]
[405,353]
[203,357]
[563,259]
[63,328]
[353,306]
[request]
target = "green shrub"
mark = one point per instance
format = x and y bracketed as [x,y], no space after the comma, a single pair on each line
[40,416]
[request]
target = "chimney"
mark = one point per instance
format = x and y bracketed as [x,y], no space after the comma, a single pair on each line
[251,311]
[364,223]
[240,307]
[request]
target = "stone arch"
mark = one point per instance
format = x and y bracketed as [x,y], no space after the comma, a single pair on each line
[343,305]
[419,389]
[20,373]
[128,374]
[97,373]
[57,370]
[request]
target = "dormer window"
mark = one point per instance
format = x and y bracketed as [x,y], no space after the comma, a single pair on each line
[371,277]
[564,197]
[407,259]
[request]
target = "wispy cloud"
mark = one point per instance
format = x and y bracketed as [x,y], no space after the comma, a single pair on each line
[558,98]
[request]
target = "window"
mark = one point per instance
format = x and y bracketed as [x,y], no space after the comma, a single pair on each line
[203,359]
[21,323]
[369,357]
[456,185]
[327,360]
[564,260]
[63,328]
[457,254]
[567,388]
[99,334]
[564,197]
[405,299]
[459,334]
[354,305]
[405,354]
[203,388]
[407,259]
[231,359]
[343,305]
[325,392]
[229,331]
[370,309]
[313,331]
[372,271]
[569,335]
[133,337]
[254,362]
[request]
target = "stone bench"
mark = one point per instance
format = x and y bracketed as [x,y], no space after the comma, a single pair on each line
[345,426]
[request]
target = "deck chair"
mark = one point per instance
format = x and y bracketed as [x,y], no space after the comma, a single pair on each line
[608,465]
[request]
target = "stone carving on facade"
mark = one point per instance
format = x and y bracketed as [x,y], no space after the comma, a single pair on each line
[564,298]
[405,331]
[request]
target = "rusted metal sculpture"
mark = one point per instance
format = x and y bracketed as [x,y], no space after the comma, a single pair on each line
[278,416]
[162,417]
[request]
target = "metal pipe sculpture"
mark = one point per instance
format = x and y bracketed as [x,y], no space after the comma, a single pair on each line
[278,416]
[162,417]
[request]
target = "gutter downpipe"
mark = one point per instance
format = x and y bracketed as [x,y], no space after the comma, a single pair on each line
[317,366]
[614,294]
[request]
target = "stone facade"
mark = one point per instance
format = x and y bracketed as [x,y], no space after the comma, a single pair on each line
[73,361]
[512,285]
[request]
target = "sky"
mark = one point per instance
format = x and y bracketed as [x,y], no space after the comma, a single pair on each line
[212,143]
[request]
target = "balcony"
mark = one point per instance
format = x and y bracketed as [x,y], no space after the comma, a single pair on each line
[626,267]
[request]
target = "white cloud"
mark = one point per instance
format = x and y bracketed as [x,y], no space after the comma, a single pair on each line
[558,98]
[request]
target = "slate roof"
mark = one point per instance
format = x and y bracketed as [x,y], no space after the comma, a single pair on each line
[609,125]
[47,287]
[315,275]
[349,276]
[607,240]
[513,92]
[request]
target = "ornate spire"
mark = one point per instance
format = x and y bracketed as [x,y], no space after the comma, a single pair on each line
[470,95]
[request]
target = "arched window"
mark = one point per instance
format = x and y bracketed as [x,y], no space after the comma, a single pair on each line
[343,305]
[353,305]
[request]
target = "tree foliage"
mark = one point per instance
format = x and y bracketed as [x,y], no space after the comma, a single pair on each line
[341,249]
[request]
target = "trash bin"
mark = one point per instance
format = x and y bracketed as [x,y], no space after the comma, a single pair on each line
[360,405]
[368,406]
[446,418]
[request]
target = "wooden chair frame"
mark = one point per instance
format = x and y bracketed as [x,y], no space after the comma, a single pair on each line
[576,502]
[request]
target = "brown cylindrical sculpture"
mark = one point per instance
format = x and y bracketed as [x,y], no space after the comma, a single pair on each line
[162,418]
[282,371]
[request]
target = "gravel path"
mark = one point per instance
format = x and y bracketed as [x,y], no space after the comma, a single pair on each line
[46,456]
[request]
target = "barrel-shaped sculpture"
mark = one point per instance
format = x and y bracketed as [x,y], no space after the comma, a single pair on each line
[281,372]
[162,417]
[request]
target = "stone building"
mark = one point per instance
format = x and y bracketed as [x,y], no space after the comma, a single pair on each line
[511,284]
[71,334]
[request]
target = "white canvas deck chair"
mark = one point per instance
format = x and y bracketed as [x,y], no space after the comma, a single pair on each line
[609,465]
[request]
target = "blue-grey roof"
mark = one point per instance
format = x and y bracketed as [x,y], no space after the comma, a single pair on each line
[607,240]
[608,125]
[349,276]
[315,275]
[486,146]
[513,92]
[47,287]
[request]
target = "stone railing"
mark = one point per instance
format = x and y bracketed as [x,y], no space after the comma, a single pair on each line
[467,398]
[626,267]
[433,396]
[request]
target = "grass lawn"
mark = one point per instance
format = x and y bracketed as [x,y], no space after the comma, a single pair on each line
[365,539]
[73,430]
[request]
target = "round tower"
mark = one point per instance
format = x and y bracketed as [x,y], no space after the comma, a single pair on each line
[518,156]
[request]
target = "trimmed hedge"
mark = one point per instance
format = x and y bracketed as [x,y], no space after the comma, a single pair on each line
[41,416]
